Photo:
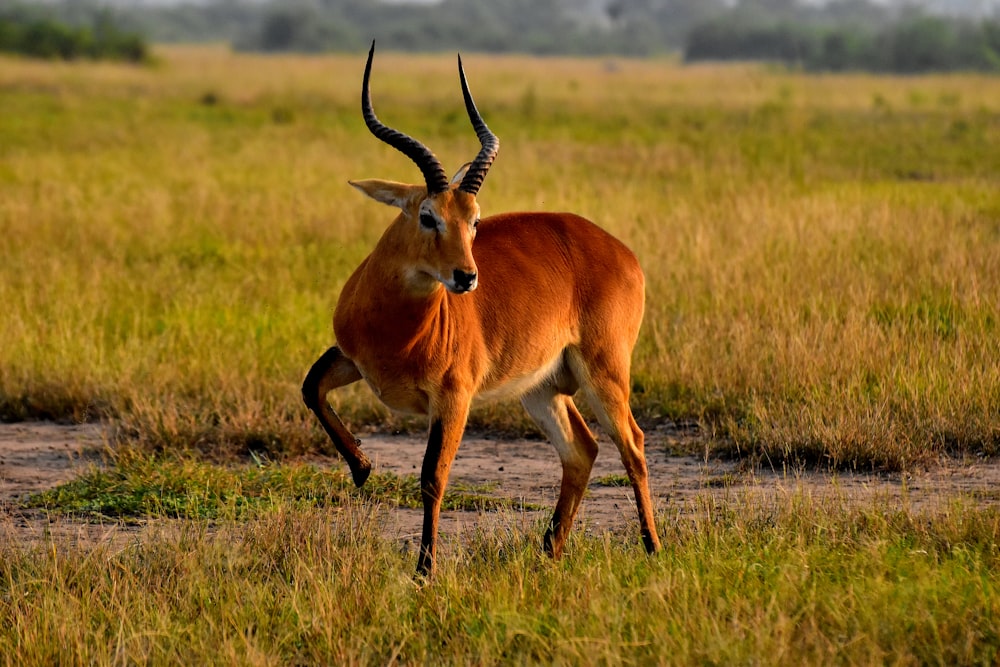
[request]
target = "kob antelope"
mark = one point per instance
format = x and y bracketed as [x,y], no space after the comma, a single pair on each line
[450,308]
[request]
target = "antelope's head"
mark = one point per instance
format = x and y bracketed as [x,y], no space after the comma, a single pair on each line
[434,233]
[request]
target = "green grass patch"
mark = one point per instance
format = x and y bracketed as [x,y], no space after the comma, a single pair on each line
[136,487]
[613,480]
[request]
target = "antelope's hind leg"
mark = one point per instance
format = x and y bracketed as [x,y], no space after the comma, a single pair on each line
[605,384]
[557,416]
[330,371]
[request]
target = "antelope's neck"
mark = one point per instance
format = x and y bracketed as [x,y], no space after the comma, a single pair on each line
[401,343]
[380,315]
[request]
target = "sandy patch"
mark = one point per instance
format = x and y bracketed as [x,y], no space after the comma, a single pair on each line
[37,456]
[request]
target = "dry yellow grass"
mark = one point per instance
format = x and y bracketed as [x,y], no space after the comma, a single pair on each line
[795,582]
[822,252]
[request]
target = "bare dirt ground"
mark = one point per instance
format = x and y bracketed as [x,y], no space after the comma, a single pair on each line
[38,456]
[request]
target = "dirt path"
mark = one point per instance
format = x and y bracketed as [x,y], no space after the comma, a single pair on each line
[37,456]
[529,470]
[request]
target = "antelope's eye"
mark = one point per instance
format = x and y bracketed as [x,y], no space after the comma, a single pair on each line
[475,223]
[427,221]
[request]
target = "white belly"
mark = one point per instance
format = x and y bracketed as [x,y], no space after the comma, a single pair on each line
[519,386]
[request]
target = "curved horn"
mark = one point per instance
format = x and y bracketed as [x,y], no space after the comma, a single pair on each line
[434,174]
[491,144]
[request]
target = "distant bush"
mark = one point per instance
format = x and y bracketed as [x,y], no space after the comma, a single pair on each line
[914,44]
[45,38]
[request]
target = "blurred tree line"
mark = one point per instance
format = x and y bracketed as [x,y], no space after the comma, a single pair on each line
[35,34]
[832,35]
[847,35]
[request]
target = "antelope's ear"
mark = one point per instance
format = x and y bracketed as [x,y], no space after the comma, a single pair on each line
[400,195]
[457,178]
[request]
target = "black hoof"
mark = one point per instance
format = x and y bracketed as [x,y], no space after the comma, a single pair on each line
[360,473]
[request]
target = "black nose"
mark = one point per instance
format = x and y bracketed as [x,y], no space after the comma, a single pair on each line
[464,280]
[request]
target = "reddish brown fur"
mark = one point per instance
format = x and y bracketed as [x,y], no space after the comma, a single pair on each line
[557,309]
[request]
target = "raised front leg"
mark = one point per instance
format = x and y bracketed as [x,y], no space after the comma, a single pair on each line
[330,371]
[442,445]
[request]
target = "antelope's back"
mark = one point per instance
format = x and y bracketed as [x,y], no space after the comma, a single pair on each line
[555,276]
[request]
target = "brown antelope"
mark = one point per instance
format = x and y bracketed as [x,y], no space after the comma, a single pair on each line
[547,304]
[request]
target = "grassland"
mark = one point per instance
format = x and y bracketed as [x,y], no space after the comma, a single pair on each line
[823,269]
[822,252]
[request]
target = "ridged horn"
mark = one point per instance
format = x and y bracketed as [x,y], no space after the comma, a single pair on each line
[434,174]
[490,143]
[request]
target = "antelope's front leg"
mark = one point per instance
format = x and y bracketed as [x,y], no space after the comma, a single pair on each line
[442,445]
[330,371]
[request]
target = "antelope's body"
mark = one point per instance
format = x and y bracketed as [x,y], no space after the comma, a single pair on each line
[546,305]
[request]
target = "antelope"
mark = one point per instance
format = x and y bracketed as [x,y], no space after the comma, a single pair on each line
[449,309]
